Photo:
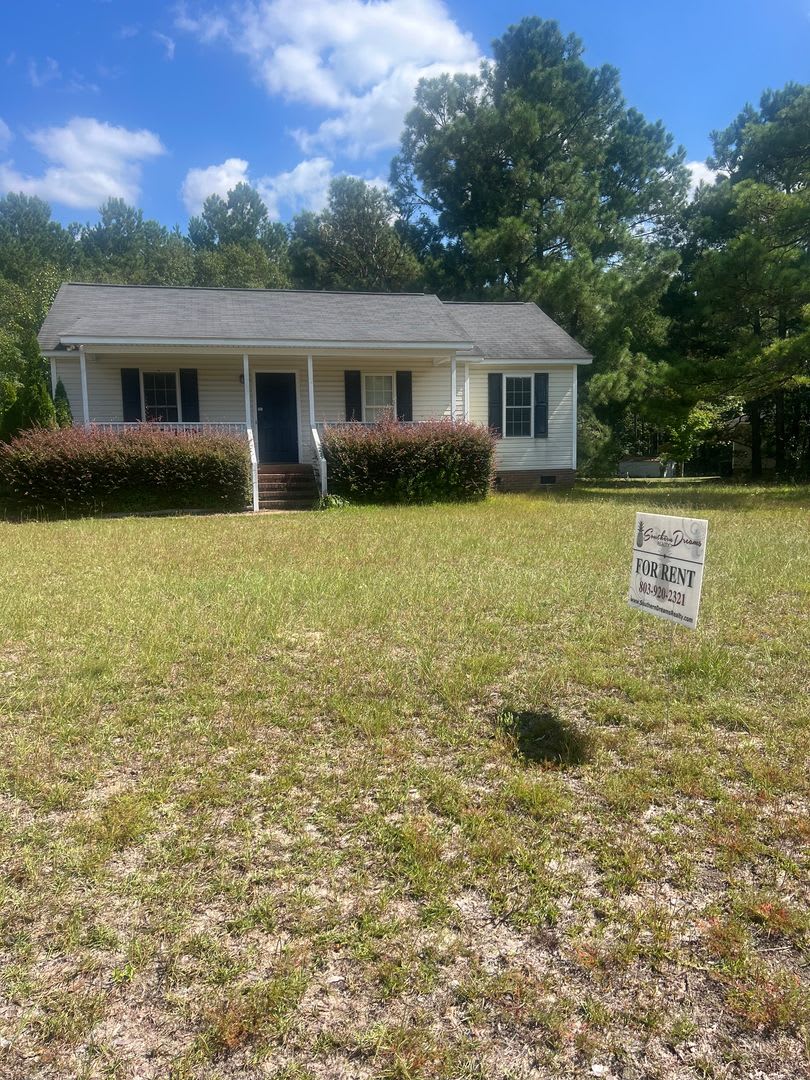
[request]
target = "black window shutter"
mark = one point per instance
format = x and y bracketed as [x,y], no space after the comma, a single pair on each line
[495,386]
[189,396]
[404,395]
[541,405]
[354,395]
[131,394]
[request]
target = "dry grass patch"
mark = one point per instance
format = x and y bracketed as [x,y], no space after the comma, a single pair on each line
[405,793]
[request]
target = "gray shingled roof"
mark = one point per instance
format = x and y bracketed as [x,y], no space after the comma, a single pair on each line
[515,331]
[497,331]
[110,312]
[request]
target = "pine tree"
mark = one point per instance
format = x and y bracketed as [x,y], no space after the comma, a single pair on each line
[352,243]
[742,302]
[535,181]
[61,405]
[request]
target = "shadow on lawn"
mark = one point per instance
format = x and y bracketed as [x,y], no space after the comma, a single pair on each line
[544,737]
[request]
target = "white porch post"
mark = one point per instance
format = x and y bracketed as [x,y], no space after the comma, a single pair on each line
[54,379]
[254,465]
[311,390]
[246,381]
[85,400]
[574,425]
[466,392]
[453,389]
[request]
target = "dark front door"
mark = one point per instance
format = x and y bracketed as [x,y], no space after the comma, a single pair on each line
[277,416]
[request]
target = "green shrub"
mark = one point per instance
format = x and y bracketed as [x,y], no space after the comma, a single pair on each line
[61,405]
[29,405]
[93,469]
[394,462]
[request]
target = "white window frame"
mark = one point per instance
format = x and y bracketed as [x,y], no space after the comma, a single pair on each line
[162,371]
[518,375]
[386,374]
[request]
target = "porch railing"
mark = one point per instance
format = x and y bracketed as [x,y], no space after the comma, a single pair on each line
[254,468]
[180,428]
[320,460]
[164,425]
[323,424]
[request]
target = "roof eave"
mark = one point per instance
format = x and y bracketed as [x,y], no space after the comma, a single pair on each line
[241,344]
[556,361]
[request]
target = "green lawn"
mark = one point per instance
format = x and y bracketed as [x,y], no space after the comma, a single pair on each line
[405,793]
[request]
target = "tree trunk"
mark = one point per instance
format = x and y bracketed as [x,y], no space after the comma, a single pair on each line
[803,451]
[780,448]
[756,439]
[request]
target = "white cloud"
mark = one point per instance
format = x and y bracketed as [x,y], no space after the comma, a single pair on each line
[701,174]
[214,180]
[131,30]
[207,27]
[167,43]
[49,73]
[359,60]
[41,75]
[90,161]
[5,134]
[305,187]
[77,84]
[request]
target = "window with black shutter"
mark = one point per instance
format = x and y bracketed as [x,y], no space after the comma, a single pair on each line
[160,397]
[131,395]
[189,396]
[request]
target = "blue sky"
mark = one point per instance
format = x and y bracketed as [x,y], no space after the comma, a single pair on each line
[163,103]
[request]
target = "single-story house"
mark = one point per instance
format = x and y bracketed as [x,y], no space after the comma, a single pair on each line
[277,365]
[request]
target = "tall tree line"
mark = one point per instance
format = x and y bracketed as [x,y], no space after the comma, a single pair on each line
[532,180]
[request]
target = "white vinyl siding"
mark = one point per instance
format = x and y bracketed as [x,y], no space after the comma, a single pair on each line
[554,452]
[430,385]
[222,395]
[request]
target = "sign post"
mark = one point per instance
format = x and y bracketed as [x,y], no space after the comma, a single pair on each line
[667,572]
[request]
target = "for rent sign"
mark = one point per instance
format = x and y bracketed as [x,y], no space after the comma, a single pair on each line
[667,572]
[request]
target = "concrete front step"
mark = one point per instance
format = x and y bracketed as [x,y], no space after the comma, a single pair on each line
[287,487]
[286,470]
[287,504]
[284,485]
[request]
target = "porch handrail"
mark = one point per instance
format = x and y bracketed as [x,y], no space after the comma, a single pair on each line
[174,427]
[322,425]
[254,468]
[320,459]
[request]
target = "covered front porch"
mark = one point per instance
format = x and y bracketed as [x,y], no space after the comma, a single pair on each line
[278,402]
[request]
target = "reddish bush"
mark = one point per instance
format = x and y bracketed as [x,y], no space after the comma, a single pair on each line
[146,468]
[395,462]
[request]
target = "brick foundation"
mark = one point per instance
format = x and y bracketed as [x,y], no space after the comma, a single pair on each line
[534,479]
